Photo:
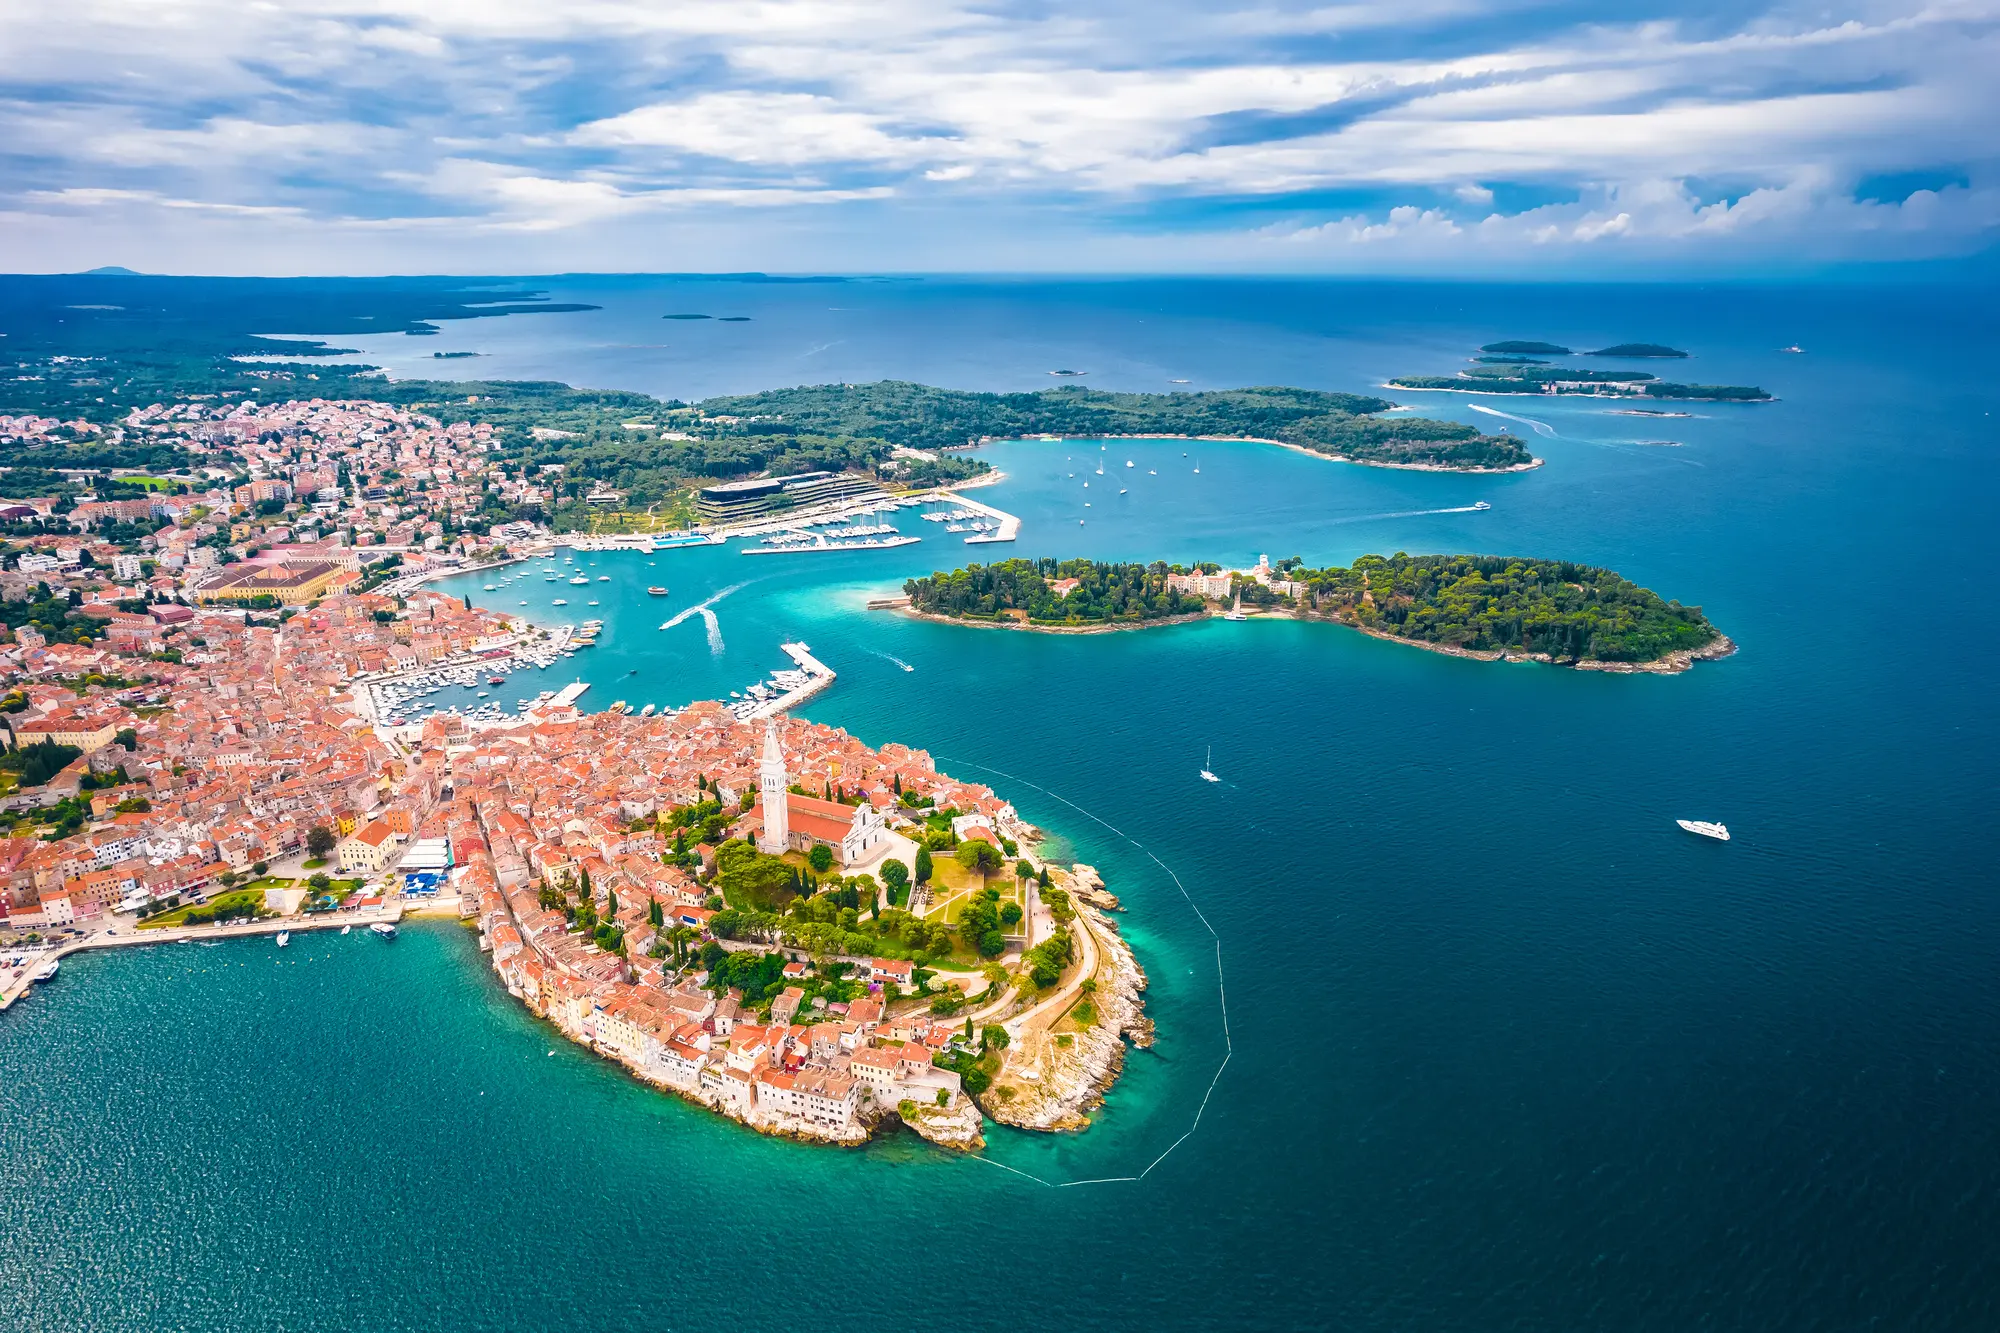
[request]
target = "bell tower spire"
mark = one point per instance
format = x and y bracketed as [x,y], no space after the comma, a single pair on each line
[771,785]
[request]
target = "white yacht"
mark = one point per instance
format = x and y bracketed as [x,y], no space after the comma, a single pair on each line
[1703,827]
[284,938]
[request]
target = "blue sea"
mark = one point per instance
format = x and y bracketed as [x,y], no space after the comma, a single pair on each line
[1505,1049]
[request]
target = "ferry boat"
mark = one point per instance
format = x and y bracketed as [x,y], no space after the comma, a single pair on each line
[657,591]
[48,971]
[284,938]
[385,929]
[1705,829]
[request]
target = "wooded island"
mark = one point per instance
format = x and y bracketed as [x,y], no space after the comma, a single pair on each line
[1477,604]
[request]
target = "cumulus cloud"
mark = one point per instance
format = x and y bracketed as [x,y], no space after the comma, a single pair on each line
[1140,132]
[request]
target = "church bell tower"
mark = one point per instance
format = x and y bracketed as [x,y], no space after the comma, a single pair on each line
[771,790]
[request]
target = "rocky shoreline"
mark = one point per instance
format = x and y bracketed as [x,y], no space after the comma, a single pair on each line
[1050,1085]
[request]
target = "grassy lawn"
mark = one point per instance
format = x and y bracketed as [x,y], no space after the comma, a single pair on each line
[178,917]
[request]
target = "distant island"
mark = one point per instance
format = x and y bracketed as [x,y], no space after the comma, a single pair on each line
[1489,607]
[1637,350]
[1530,348]
[1517,367]
[687,316]
[451,356]
[1341,426]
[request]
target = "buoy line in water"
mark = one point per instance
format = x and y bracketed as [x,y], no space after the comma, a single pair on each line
[1221,993]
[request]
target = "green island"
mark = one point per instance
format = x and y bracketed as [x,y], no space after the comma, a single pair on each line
[1531,348]
[1519,374]
[1472,605]
[1638,350]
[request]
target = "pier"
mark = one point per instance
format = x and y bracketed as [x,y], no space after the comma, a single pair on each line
[818,676]
[1010,526]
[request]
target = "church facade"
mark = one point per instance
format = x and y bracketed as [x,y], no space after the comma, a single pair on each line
[790,822]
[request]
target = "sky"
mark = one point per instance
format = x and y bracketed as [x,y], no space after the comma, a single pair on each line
[1489,137]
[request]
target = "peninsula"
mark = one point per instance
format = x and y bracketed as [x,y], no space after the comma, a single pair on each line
[1490,607]
[1341,426]
[191,671]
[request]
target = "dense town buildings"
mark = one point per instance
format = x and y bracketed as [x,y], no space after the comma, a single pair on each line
[187,671]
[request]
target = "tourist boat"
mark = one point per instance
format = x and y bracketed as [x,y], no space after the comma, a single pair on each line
[1705,829]
[657,591]
[385,929]
[284,938]
[48,971]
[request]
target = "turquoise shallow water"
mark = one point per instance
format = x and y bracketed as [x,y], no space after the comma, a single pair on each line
[1510,1050]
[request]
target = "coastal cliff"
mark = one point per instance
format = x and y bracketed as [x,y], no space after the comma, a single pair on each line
[1057,1069]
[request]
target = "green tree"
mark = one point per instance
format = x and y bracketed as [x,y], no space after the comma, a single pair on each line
[923,864]
[319,842]
[820,858]
[993,1037]
[978,855]
[128,737]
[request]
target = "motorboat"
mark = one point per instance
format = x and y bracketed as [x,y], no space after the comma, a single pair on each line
[657,591]
[385,929]
[284,938]
[1705,829]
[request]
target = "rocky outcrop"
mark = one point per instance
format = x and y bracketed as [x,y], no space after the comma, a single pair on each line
[958,1126]
[1053,1080]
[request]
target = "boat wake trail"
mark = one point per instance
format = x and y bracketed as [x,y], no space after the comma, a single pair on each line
[891,657]
[702,609]
[714,632]
[1541,427]
[1409,513]
[1221,994]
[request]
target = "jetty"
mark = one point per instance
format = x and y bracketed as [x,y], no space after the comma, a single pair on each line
[818,675]
[1009,529]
